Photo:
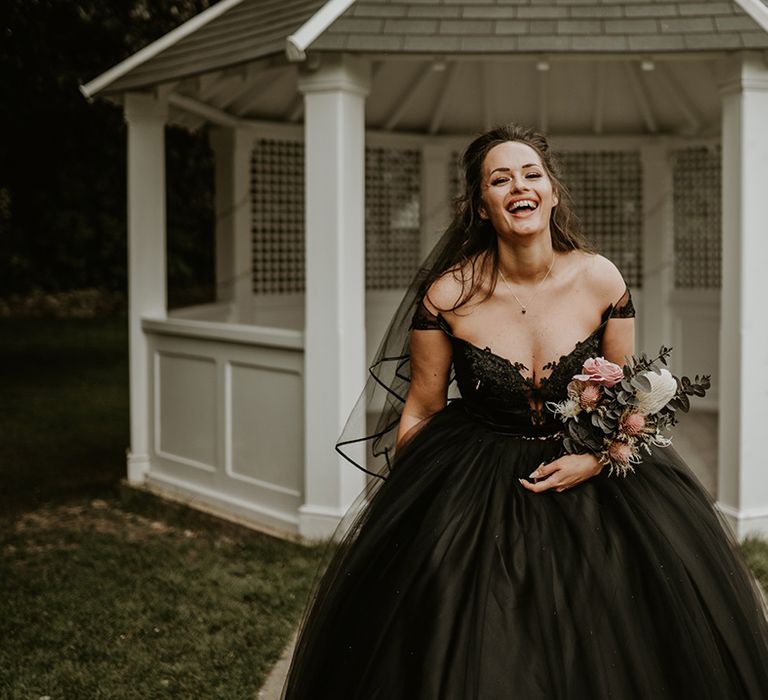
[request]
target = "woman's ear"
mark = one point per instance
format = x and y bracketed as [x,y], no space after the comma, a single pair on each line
[555,199]
[481,211]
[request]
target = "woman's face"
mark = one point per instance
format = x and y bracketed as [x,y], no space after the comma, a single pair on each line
[516,192]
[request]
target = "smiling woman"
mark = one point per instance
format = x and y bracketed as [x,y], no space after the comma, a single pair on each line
[488,562]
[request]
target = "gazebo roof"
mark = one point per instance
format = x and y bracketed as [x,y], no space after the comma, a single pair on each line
[434,26]
[237,32]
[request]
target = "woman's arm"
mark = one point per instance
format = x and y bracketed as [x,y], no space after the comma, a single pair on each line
[618,341]
[431,355]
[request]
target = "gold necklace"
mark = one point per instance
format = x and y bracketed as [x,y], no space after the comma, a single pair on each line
[525,306]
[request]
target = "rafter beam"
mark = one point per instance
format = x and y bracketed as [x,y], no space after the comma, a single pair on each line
[410,95]
[206,111]
[641,96]
[678,96]
[206,81]
[597,115]
[219,86]
[485,87]
[442,100]
[543,81]
[241,98]
[296,109]
[164,89]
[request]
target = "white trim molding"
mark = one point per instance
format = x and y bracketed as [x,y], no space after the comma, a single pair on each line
[297,43]
[746,521]
[757,10]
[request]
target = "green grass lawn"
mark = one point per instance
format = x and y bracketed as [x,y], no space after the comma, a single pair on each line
[64,413]
[103,596]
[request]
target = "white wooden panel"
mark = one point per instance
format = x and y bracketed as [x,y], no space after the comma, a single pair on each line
[214,386]
[267,413]
[696,324]
[185,409]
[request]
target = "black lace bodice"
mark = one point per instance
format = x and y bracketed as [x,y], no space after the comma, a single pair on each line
[500,391]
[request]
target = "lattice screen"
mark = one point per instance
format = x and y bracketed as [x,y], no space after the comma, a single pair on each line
[392,205]
[696,187]
[277,191]
[607,191]
[392,216]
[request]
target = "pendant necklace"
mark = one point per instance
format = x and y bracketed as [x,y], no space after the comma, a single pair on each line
[525,306]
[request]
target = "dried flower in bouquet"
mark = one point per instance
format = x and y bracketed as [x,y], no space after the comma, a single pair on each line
[614,411]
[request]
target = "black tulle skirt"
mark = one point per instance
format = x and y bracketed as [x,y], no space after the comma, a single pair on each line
[454,582]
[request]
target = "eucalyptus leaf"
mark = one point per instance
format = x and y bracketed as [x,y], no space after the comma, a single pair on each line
[641,382]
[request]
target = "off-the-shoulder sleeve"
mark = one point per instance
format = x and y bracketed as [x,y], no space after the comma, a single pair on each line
[423,319]
[624,308]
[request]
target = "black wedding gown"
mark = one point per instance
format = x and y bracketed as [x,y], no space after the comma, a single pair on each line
[456,583]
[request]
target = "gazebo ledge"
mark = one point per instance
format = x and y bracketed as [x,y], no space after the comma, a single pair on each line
[264,336]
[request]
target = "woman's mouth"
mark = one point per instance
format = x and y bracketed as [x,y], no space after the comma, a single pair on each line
[522,207]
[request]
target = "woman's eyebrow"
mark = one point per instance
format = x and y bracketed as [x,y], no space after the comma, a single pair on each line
[506,170]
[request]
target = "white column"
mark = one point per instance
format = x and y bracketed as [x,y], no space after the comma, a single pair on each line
[436,208]
[232,149]
[658,247]
[742,476]
[146,117]
[334,143]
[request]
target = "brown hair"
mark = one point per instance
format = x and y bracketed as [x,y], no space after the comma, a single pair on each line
[472,239]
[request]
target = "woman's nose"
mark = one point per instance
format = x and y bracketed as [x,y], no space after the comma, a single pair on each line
[519,183]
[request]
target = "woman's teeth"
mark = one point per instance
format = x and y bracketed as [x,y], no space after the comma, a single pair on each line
[523,204]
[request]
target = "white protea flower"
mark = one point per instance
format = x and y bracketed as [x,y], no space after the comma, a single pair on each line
[663,388]
[569,408]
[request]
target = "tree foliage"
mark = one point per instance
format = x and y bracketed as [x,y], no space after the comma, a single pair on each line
[62,160]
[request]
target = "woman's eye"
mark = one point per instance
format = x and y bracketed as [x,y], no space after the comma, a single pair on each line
[499,180]
[530,176]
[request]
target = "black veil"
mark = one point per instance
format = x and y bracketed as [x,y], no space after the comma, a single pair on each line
[369,435]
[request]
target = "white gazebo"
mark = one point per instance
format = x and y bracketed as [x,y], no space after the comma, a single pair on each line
[335,127]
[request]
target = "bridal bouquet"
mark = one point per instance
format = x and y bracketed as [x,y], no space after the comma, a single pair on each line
[613,412]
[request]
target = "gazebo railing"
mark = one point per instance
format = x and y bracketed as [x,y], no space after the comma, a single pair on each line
[226,418]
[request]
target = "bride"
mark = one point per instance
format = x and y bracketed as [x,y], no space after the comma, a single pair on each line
[486,563]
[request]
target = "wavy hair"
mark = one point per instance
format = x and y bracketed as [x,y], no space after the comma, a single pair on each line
[471,241]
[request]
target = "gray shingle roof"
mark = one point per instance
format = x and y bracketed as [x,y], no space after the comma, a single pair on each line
[502,26]
[251,30]
[239,31]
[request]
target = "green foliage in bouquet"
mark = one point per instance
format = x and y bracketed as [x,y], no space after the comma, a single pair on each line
[614,411]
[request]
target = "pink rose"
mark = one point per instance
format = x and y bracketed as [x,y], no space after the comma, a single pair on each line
[620,451]
[600,371]
[633,424]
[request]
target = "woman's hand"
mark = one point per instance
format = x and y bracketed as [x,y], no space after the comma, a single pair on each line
[563,473]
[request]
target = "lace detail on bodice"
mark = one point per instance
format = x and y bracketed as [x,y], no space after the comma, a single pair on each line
[497,388]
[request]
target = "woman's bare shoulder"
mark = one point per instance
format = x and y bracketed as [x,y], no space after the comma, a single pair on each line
[445,291]
[452,286]
[605,279]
